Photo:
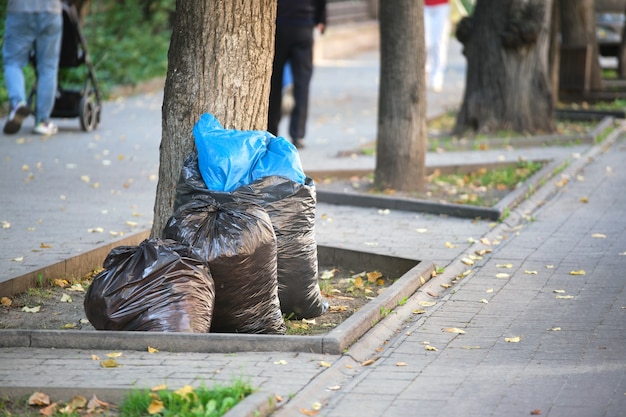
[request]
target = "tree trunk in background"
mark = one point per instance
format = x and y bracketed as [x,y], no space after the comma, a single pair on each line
[401,136]
[554,54]
[578,29]
[507,84]
[219,62]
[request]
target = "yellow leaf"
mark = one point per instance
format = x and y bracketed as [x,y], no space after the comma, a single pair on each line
[427,303]
[450,245]
[77,288]
[155,407]
[489,290]
[419,311]
[508,266]
[454,330]
[130,223]
[400,364]
[465,273]
[18,259]
[95,358]
[599,235]
[44,246]
[558,291]
[31,309]
[6,301]
[467,261]
[369,362]
[334,388]
[328,274]
[421,230]
[549,266]
[62,283]
[109,363]
[422,280]
[530,272]
[281,362]
[324,364]
[430,348]
[69,326]
[515,339]
[555,329]
[66,298]
[502,275]
[446,285]
[584,199]
[77,402]
[152,350]
[309,412]
[307,321]
[373,276]
[565,297]
[159,388]
[185,391]
[579,272]
[6,224]
[114,354]
[39,399]
[483,300]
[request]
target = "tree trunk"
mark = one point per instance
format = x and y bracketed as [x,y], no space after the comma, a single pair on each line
[507,84]
[219,62]
[554,53]
[621,58]
[401,141]
[578,30]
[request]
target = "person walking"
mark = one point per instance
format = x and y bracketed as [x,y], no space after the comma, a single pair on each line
[437,32]
[38,24]
[296,21]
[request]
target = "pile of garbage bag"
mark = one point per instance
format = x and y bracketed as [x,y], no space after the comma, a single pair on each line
[239,252]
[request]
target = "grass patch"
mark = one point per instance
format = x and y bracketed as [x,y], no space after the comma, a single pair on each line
[159,401]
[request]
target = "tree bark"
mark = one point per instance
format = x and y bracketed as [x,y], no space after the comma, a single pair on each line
[219,62]
[401,136]
[507,84]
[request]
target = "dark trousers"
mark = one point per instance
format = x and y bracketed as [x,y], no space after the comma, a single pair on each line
[293,44]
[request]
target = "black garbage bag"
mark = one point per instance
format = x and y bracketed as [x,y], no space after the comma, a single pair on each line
[238,243]
[291,207]
[155,286]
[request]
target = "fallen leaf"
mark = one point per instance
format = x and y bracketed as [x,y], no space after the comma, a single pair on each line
[535,412]
[109,363]
[95,230]
[18,259]
[159,388]
[400,364]
[554,329]
[70,326]
[502,275]
[185,391]
[421,230]
[60,282]
[489,290]
[155,407]
[419,311]
[6,224]
[152,350]
[6,301]
[467,261]
[579,272]
[309,412]
[427,303]
[281,362]
[584,199]
[50,410]
[31,309]
[334,388]
[95,403]
[373,276]
[369,362]
[599,235]
[451,245]
[39,399]
[454,330]
[531,272]
[324,364]
[470,347]
[65,298]
[515,339]
[77,402]
[558,291]
[95,358]
[114,354]
[432,294]
[483,300]
[77,288]
[430,348]
[328,274]
[45,246]
[565,297]
[549,266]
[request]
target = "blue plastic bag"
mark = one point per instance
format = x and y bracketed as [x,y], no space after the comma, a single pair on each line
[229,159]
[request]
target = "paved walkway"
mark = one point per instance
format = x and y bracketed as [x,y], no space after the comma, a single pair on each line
[74,192]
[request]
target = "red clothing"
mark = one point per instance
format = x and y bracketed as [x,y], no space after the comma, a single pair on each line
[434,2]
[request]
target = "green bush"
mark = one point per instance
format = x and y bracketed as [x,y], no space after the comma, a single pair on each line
[127,42]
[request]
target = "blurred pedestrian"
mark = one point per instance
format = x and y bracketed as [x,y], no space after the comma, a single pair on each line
[436,32]
[32,24]
[296,21]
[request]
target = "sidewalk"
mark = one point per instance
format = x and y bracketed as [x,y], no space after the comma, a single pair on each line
[59,192]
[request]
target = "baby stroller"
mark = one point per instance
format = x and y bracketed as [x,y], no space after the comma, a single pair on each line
[84,102]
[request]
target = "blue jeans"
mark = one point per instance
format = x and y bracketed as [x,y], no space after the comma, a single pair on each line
[20,32]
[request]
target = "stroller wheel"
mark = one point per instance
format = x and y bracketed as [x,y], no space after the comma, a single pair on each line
[89,114]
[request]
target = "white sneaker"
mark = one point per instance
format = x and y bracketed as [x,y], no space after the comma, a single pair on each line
[45,128]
